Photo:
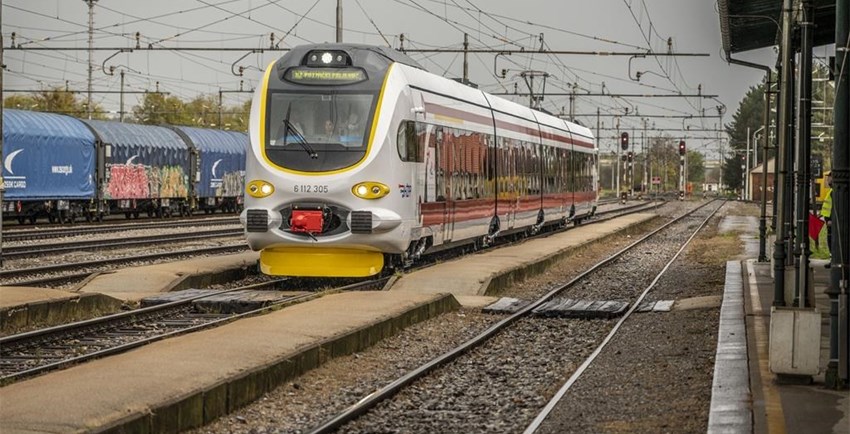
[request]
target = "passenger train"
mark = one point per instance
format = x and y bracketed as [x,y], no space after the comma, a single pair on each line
[361,161]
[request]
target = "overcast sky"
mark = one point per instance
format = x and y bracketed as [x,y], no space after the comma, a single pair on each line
[600,25]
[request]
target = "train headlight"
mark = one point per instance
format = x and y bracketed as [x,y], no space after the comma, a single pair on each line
[259,188]
[370,190]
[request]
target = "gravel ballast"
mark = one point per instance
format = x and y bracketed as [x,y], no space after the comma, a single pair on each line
[319,394]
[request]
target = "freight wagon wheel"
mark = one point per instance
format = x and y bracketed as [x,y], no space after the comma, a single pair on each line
[51,218]
[21,220]
[135,214]
[32,219]
[127,215]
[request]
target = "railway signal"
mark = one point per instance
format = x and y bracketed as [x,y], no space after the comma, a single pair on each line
[624,141]
[682,149]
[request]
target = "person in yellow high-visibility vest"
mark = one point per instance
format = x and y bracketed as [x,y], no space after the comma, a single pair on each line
[826,212]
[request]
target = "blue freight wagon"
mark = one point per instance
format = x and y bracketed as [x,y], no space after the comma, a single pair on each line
[49,165]
[219,167]
[146,169]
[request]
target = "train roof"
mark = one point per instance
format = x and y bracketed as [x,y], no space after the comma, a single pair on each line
[125,134]
[390,54]
[29,127]
[231,142]
[437,83]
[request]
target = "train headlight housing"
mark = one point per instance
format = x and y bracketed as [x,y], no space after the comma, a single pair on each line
[259,188]
[370,190]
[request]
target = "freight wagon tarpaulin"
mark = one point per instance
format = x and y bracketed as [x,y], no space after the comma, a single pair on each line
[46,156]
[147,161]
[222,161]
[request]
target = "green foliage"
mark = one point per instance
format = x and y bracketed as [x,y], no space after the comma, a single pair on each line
[750,114]
[202,111]
[153,109]
[696,168]
[54,100]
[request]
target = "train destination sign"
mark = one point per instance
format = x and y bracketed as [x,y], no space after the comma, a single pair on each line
[325,75]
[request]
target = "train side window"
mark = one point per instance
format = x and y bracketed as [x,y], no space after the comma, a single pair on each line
[410,148]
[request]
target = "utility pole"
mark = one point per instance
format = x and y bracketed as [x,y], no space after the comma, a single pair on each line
[631,163]
[598,174]
[645,151]
[618,160]
[338,21]
[573,104]
[804,133]
[220,97]
[784,114]
[746,195]
[838,368]
[91,52]
[465,62]
[121,100]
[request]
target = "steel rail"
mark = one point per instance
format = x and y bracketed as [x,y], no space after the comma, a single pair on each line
[6,274]
[42,249]
[33,234]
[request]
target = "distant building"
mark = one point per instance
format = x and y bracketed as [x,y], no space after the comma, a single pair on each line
[756,181]
[711,181]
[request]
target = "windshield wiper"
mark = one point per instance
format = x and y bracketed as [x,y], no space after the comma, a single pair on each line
[301,140]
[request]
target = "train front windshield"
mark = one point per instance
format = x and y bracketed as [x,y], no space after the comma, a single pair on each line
[317,132]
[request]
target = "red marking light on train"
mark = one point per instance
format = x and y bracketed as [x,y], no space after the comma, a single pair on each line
[309,221]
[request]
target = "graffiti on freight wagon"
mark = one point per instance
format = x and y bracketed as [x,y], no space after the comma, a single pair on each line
[230,185]
[136,181]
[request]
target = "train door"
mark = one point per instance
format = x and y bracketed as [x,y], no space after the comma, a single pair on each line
[507,176]
[446,149]
[433,207]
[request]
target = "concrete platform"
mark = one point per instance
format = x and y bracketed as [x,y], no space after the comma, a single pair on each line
[184,382]
[25,308]
[748,397]
[136,283]
[490,272]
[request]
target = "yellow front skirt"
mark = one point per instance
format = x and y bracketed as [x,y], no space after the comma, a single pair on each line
[320,262]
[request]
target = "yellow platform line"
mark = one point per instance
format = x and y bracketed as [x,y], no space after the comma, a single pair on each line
[774,415]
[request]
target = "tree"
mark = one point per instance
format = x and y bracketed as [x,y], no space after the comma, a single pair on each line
[55,100]
[664,161]
[157,108]
[696,167]
[749,115]
[202,111]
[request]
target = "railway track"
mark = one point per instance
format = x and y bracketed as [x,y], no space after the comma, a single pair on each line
[26,354]
[51,274]
[55,274]
[443,389]
[43,249]
[39,351]
[51,232]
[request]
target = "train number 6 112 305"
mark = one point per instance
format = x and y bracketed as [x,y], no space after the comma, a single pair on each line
[308,188]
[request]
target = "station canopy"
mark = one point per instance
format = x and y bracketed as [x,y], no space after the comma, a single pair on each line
[752,24]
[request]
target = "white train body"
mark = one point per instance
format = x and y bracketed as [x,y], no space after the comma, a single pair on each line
[360,159]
